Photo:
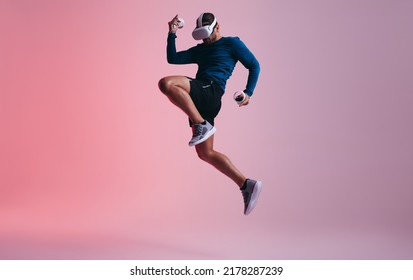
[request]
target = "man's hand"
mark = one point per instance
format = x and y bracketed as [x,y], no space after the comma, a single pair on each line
[173,25]
[246,101]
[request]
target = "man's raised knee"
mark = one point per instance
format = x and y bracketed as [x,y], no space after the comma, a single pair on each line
[164,84]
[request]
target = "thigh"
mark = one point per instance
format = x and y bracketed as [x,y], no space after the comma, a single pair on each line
[180,81]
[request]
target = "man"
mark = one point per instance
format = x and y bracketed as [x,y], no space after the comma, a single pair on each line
[200,98]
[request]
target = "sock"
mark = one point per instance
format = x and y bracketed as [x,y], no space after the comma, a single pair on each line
[244,186]
[203,123]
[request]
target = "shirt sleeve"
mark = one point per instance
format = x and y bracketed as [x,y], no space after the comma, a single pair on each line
[174,57]
[245,56]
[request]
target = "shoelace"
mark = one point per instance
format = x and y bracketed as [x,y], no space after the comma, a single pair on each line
[197,130]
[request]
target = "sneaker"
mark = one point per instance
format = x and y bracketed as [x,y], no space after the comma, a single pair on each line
[250,194]
[201,132]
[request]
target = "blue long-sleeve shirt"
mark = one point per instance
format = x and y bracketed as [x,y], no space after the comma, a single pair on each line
[217,61]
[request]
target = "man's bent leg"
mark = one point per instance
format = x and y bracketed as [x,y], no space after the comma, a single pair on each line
[220,161]
[177,88]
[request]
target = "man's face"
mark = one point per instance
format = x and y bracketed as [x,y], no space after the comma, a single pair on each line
[211,37]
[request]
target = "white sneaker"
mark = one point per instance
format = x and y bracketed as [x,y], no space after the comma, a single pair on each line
[250,194]
[201,132]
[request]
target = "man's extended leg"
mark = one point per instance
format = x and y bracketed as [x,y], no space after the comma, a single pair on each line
[220,161]
[250,188]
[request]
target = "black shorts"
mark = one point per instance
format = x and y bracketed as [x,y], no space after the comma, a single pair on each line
[206,96]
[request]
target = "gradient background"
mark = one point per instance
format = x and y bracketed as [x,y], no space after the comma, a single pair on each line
[94,162]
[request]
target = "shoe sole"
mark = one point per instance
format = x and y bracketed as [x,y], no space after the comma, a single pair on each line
[254,197]
[209,134]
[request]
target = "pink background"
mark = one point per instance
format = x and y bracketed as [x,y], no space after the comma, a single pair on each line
[94,162]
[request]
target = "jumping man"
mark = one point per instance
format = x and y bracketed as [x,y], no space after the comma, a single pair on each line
[200,97]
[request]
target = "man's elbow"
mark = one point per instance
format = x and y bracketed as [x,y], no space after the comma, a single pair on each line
[172,59]
[257,65]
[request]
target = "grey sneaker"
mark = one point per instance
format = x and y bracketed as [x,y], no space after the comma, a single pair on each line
[201,132]
[250,194]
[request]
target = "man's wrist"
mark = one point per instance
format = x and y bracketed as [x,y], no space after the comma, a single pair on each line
[247,92]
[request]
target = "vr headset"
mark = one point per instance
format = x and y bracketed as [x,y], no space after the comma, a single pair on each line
[203,32]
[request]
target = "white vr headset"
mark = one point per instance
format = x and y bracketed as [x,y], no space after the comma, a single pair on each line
[203,32]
